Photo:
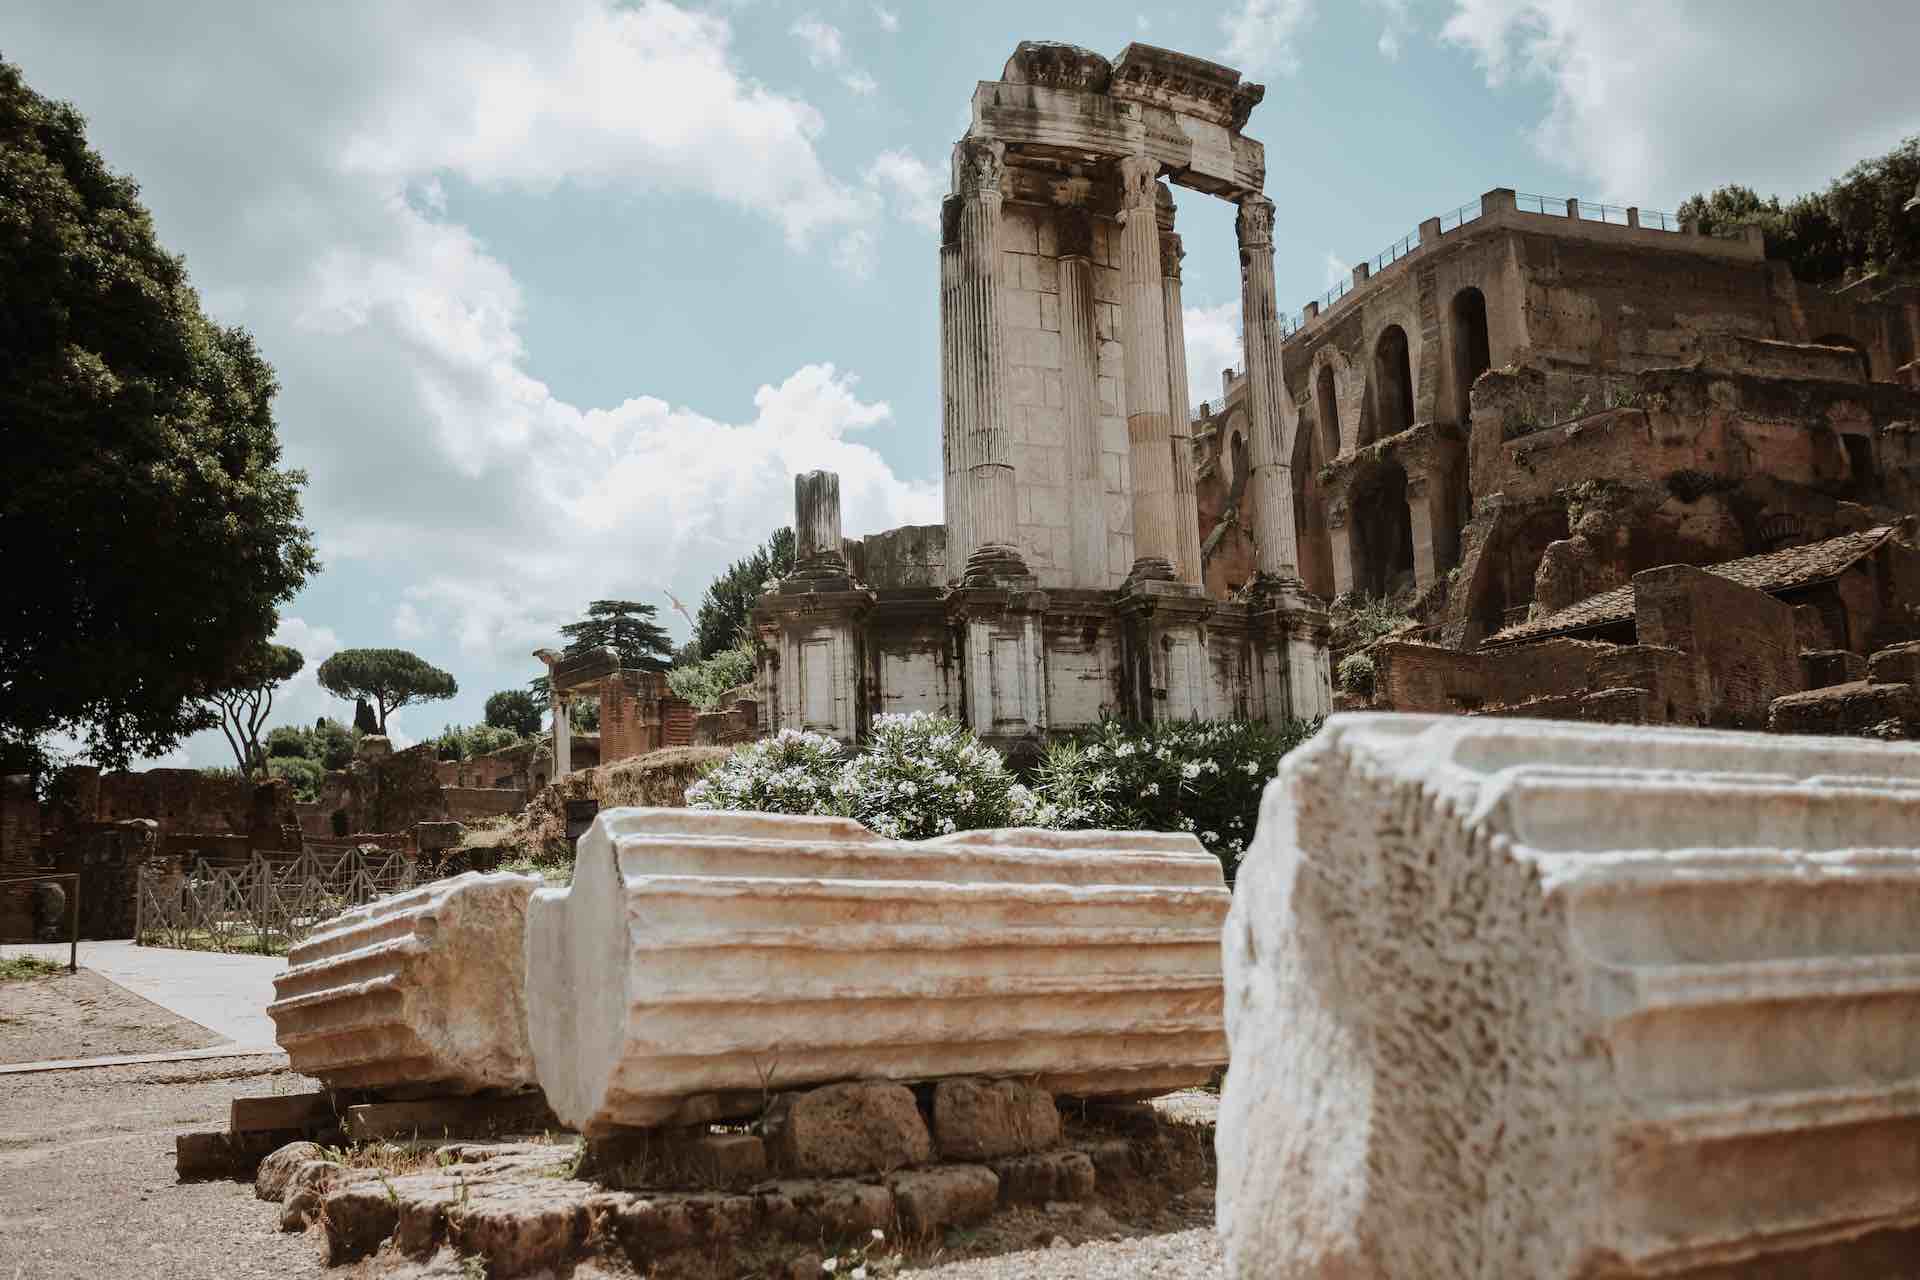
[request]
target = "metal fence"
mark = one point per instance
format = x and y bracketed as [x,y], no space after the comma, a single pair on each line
[267,905]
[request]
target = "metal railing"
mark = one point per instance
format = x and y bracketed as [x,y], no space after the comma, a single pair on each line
[267,905]
[73,910]
[1397,250]
[1336,293]
[1456,218]
[1553,207]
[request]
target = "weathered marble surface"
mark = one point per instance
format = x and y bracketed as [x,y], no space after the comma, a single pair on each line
[420,992]
[701,952]
[1517,998]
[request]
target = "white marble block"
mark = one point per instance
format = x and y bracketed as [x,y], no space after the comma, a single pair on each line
[700,953]
[421,992]
[1517,998]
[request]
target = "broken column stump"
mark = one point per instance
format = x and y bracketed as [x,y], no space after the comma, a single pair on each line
[421,993]
[1519,998]
[702,953]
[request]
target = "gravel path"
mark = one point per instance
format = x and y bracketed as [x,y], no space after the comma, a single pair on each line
[82,1015]
[87,1185]
[1182,1255]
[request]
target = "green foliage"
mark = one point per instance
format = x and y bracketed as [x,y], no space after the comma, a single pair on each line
[1206,777]
[1356,674]
[464,742]
[305,774]
[333,743]
[626,627]
[923,775]
[705,683]
[584,715]
[22,968]
[290,742]
[516,710]
[247,700]
[1357,619]
[150,534]
[791,772]
[727,607]
[388,678]
[1857,225]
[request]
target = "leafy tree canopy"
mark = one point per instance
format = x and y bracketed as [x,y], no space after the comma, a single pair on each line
[247,700]
[1858,224]
[147,532]
[516,710]
[624,626]
[329,744]
[728,605]
[389,679]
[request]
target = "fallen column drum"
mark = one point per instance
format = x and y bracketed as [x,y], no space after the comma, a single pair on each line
[418,993]
[703,952]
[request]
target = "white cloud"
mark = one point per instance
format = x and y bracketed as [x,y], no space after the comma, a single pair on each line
[912,187]
[1261,34]
[1337,269]
[1396,25]
[1213,344]
[1142,23]
[827,51]
[889,20]
[1653,101]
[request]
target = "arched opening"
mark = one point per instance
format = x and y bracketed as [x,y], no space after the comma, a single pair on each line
[1326,407]
[1392,382]
[1382,531]
[1312,543]
[1852,344]
[1472,355]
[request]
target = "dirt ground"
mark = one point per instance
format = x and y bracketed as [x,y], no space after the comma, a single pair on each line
[87,1187]
[82,1015]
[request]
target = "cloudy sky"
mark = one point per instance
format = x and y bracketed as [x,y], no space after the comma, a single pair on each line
[562,294]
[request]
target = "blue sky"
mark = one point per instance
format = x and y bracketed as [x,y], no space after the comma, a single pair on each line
[562,295]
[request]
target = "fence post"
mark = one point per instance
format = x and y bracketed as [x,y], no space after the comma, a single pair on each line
[73,926]
[139,903]
[1573,208]
[1633,215]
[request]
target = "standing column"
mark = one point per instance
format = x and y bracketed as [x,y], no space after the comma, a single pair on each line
[952,418]
[1272,486]
[816,524]
[1149,416]
[1186,503]
[980,366]
[1079,342]
[562,735]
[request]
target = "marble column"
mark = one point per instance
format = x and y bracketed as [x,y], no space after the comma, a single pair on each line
[816,522]
[1149,416]
[1272,486]
[952,385]
[562,735]
[1080,358]
[981,407]
[1186,503]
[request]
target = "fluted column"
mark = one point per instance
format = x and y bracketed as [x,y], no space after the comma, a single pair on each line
[980,365]
[1149,416]
[816,523]
[952,419]
[1080,353]
[1272,486]
[1186,503]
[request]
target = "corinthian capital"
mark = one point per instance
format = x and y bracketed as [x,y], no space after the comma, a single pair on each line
[981,167]
[1171,251]
[1255,223]
[1139,183]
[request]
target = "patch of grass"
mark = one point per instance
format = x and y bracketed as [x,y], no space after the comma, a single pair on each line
[386,1159]
[22,968]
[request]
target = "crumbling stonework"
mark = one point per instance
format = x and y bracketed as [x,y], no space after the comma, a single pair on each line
[1547,1000]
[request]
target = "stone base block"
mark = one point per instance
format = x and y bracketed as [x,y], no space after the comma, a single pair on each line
[711,953]
[1552,1000]
[983,1119]
[421,991]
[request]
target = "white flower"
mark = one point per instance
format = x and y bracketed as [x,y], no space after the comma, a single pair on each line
[1153,789]
[858,1273]
[1209,836]
[878,1234]
[1189,771]
[831,1265]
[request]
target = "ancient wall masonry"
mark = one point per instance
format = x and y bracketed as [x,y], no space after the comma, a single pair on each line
[702,953]
[1540,999]
[420,992]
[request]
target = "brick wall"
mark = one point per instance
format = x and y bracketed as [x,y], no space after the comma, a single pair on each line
[1742,642]
[19,855]
[464,804]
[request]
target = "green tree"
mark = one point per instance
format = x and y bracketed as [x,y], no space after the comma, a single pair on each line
[727,607]
[147,532]
[333,743]
[247,700]
[515,709]
[624,626]
[291,742]
[387,678]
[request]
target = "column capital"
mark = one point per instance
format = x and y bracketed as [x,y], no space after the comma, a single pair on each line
[1139,183]
[1171,251]
[981,167]
[1255,223]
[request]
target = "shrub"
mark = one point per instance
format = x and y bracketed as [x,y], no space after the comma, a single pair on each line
[290,741]
[1359,619]
[705,684]
[305,775]
[924,775]
[791,772]
[1205,777]
[1357,674]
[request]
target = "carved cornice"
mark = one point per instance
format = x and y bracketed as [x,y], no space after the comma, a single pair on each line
[1184,84]
[1053,65]
[981,167]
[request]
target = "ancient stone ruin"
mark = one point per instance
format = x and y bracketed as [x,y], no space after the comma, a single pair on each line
[1066,582]
[1526,999]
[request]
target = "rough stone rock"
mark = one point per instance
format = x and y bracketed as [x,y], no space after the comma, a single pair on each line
[305,1191]
[270,1183]
[1050,1175]
[660,1223]
[1112,1158]
[981,1119]
[952,1195]
[420,989]
[862,1127]
[1520,998]
[703,952]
